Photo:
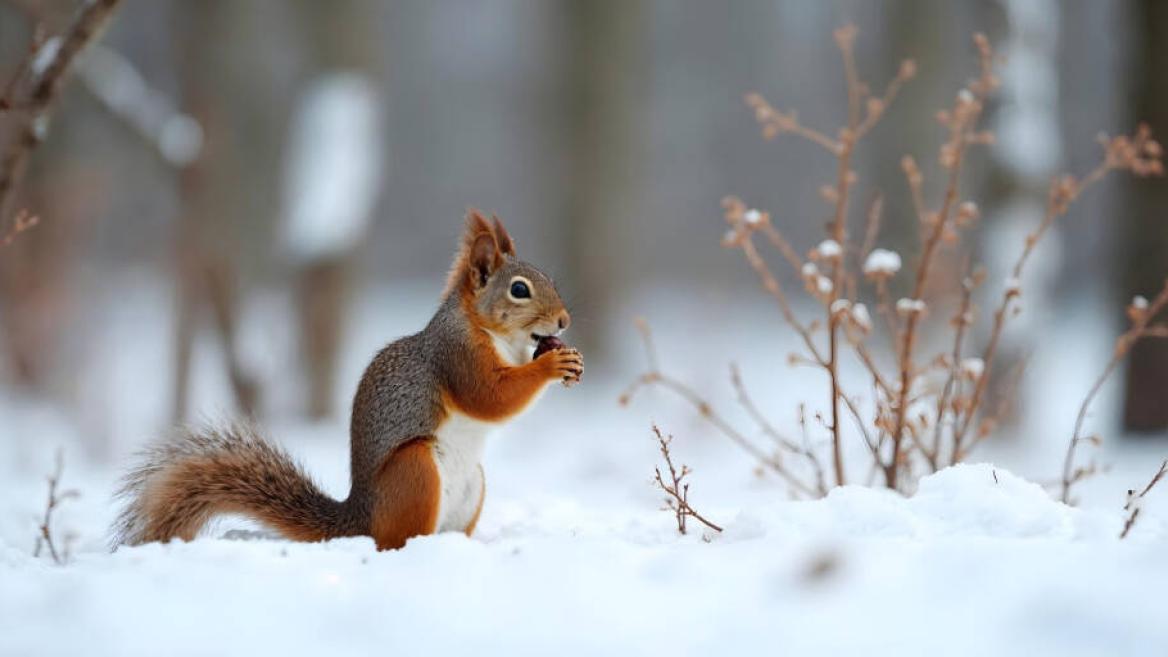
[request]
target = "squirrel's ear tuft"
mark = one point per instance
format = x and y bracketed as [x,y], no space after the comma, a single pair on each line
[480,255]
[506,245]
[476,223]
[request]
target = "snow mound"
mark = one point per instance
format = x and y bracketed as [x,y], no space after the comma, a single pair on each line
[982,500]
[963,501]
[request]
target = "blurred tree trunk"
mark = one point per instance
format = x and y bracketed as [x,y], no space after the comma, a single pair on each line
[916,31]
[1025,156]
[1144,247]
[340,39]
[205,267]
[607,42]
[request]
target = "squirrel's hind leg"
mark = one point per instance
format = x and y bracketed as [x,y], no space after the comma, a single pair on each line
[408,494]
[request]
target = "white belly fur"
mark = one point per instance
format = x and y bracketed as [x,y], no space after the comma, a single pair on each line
[458,449]
[458,452]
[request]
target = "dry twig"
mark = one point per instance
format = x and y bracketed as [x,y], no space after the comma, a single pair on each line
[1134,502]
[830,287]
[1142,315]
[676,489]
[30,94]
[1139,154]
[55,498]
[961,122]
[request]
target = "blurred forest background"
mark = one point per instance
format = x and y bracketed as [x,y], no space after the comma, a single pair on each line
[322,152]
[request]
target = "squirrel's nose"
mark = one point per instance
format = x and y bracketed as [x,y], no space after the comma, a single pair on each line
[565,320]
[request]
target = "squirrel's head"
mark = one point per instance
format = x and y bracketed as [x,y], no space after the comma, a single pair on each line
[512,300]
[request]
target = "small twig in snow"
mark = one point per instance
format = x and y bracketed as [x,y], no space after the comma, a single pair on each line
[655,376]
[675,488]
[55,498]
[1134,500]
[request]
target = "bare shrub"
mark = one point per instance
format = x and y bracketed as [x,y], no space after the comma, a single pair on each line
[928,412]
[676,489]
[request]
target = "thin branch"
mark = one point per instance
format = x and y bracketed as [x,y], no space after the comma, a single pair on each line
[1139,154]
[655,377]
[775,123]
[1134,502]
[961,323]
[1141,313]
[744,222]
[872,231]
[55,498]
[43,86]
[676,488]
[878,107]
[837,231]
[752,410]
[802,450]
[961,120]
[8,100]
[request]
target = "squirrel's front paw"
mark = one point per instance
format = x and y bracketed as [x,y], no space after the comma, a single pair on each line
[566,364]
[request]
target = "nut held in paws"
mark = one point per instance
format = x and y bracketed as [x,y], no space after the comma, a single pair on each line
[548,343]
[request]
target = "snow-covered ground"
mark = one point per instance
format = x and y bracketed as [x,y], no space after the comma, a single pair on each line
[573,554]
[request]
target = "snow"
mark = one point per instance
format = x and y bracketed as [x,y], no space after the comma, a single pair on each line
[1135,502]
[861,316]
[824,285]
[829,249]
[967,210]
[1029,143]
[334,166]
[973,367]
[181,139]
[573,555]
[45,55]
[882,261]
[862,570]
[906,306]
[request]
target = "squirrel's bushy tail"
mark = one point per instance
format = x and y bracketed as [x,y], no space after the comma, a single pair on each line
[183,482]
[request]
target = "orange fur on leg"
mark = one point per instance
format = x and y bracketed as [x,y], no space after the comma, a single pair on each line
[408,494]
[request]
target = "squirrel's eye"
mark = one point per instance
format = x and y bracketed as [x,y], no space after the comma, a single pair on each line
[519,290]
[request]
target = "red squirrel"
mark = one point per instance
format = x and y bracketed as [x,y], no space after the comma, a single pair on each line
[420,417]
